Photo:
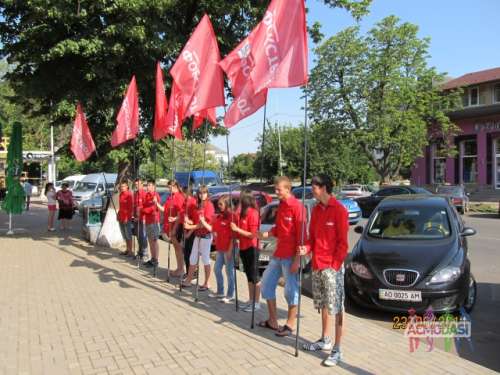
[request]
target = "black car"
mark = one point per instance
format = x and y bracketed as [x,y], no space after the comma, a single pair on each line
[368,204]
[412,254]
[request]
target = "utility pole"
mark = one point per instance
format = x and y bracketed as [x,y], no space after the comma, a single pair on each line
[280,167]
[52,165]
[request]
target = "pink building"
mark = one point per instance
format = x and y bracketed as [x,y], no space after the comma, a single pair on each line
[477,163]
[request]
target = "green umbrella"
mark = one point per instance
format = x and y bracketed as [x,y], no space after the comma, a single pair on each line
[14,200]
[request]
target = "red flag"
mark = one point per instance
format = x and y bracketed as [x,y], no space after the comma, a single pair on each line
[128,117]
[160,125]
[82,144]
[197,71]
[175,113]
[206,114]
[280,46]
[244,105]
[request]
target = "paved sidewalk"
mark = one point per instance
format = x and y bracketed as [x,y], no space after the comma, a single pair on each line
[67,307]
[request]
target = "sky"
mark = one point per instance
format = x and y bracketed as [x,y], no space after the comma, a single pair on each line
[464,38]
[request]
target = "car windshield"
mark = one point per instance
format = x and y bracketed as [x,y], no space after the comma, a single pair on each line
[300,191]
[420,190]
[411,223]
[351,188]
[85,186]
[455,190]
[207,181]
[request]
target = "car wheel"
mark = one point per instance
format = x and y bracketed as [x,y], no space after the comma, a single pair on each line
[470,299]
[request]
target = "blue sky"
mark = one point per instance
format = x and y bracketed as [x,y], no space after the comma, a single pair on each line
[464,38]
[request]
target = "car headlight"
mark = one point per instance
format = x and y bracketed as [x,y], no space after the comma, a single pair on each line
[447,274]
[361,270]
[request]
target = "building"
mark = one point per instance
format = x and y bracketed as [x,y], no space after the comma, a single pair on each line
[477,160]
[217,153]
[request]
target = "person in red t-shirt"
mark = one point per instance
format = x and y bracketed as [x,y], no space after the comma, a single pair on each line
[140,226]
[328,243]
[224,245]
[189,203]
[152,221]
[288,230]
[247,230]
[125,212]
[173,221]
[202,215]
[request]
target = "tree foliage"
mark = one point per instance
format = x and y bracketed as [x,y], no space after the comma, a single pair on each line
[243,166]
[377,94]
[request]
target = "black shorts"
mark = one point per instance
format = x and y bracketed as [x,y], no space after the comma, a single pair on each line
[179,233]
[250,264]
[65,213]
[188,246]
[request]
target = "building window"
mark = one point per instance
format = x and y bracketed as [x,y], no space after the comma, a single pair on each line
[468,152]
[474,96]
[438,163]
[496,93]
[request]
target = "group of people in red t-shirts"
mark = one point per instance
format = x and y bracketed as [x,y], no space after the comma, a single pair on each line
[192,223]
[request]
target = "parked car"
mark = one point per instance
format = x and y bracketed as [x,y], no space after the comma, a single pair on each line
[261,198]
[94,185]
[72,181]
[204,177]
[356,190]
[413,253]
[351,205]
[368,204]
[457,195]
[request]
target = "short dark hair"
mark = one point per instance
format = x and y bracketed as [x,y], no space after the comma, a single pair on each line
[138,179]
[151,182]
[322,180]
[124,182]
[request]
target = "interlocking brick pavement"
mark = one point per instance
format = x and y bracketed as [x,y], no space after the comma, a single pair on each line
[67,307]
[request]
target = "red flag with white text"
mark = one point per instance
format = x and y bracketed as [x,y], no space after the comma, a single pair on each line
[175,114]
[197,71]
[82,144]
[128,117]
[207,114]
[160,128]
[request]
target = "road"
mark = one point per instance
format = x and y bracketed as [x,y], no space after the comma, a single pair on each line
[484,254]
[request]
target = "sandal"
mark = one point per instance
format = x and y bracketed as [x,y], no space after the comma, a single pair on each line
[265,324]
[284,331]
[202,289]
[186,285]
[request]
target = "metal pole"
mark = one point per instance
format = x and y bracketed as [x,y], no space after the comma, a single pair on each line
[169,213]
[52,168]
[198,271]
[262,143]
[280,169]
[303,229]
[10,232]
[204,154]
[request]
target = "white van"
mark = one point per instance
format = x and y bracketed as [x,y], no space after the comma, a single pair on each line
[93,185]
[72,181]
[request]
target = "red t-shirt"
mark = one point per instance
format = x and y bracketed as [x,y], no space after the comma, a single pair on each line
[174,207]
[126,207]
[65,199]
[207,211]
[288,228]
[328,235]
[250,223]
[139,197]
[222,231]
[149,209]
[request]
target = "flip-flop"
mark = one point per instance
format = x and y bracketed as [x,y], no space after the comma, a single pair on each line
[185,285]
[284,331]
[265,324]
[202,289]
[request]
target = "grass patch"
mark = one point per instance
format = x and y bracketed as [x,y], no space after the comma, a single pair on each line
[484,208]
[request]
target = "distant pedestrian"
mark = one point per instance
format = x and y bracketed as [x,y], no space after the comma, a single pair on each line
[224,237]
[285,261]
[202,214]
[66,206]
[125,212]
[50,193]
[140,226]
[152,221]
[328,243]
[247,230]
[28,192]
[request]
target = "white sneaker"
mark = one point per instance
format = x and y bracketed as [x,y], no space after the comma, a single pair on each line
[321,344]
[333,359]
[218,296]
[227,300]
[249,307]
[243,305]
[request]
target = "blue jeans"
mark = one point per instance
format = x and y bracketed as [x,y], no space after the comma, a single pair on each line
[141,238]
[276,268]
[220,261]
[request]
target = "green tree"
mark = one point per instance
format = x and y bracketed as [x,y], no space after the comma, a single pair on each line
[64,51]
[377,94]
[242,166]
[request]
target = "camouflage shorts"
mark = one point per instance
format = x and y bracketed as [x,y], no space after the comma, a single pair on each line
[328,290]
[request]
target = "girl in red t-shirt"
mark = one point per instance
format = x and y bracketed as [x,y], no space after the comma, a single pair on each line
[224,239]
[247,230]
[125,213]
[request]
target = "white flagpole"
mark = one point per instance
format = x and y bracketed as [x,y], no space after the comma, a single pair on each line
[10,232]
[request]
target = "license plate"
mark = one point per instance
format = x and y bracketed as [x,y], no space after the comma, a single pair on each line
[264,258]
[353,214]
[400,295]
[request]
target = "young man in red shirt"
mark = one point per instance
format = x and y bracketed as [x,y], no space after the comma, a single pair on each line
[285,262]
[328,243]
[152,221]
[139,196]
[125,213]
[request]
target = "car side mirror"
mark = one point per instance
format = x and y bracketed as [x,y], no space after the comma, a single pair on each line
[468,232]
[359,229]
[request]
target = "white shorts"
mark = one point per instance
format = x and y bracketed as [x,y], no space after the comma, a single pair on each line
[201,246]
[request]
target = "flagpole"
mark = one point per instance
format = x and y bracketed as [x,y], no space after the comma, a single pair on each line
[134,192]
[204,153]
[172,165]
[262,143]
[10,232]
[304,220]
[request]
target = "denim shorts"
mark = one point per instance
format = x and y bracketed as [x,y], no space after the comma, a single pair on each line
[276,268]
[126,229]
[153,231]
